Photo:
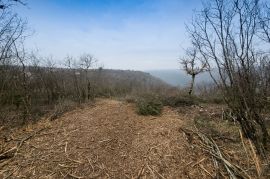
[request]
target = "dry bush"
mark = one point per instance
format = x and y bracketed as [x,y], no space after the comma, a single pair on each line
[130,98]
[209,93]
[61,107]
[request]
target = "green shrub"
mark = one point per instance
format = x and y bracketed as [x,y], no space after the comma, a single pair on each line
[149,104]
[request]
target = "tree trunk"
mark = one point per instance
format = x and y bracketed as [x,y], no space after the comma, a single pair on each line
[192,84]
[88,91]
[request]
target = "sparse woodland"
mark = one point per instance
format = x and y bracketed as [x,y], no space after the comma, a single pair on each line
[32,85]
[226,121]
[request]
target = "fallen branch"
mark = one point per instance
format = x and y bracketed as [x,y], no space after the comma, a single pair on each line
[255,159]
[14,150]
[140,172]
[199,162]
[206,171]
[75,161]
[5,155]
[10,174]
[244,146]
[210,146]
[29,137]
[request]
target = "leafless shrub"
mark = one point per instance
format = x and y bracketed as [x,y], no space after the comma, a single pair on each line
[209,92]
[225,32]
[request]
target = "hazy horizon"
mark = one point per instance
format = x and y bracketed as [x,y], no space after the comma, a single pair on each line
[178,77]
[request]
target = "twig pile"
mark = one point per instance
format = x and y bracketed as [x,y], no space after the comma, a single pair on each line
[208,145]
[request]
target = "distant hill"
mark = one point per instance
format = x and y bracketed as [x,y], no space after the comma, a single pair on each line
[130,77]
[108,77]
[178,77]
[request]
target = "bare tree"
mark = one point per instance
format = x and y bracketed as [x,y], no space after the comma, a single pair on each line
[191,67]
[225,32]
[12,29]
[87,61]
[71,63]
[264,22]
[12,56]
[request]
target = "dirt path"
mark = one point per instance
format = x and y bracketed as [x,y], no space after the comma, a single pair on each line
[108,140]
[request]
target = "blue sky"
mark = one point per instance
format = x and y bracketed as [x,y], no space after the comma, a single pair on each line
[121,34]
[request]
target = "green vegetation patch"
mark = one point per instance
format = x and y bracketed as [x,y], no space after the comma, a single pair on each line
[149,104]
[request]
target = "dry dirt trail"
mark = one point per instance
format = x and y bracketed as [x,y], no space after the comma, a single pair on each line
[107,140]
